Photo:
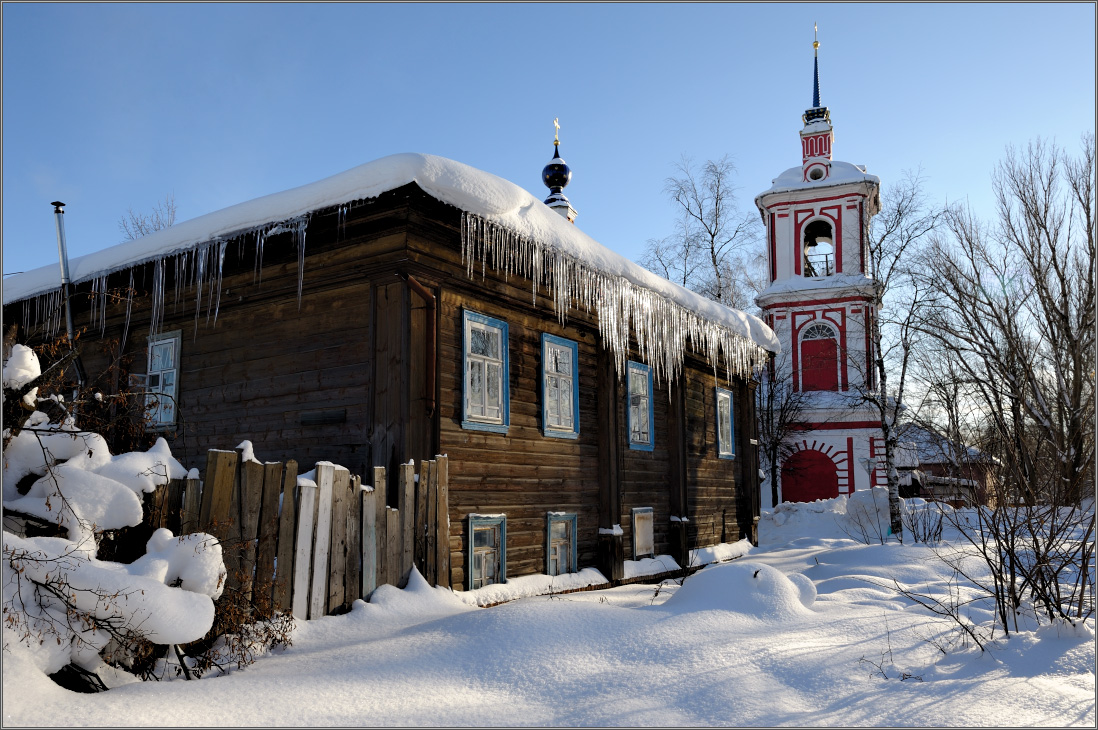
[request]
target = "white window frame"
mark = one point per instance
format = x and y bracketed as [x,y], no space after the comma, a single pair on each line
[639,370]
[726,444]
[549,344]
[471,418]
[498,524]
[553,548]
[646,524]
[161,399]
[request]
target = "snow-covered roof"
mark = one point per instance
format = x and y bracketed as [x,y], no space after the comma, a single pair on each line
[836,284]
[482,194]
[934,448]
[842,173]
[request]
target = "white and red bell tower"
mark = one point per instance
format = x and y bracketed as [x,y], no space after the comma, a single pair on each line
[819,302]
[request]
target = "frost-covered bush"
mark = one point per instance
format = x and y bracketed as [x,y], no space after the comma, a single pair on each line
[61,604]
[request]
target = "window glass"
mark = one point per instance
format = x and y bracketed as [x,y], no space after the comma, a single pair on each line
[559,375]
[725,432]
[485,358]
[640,406]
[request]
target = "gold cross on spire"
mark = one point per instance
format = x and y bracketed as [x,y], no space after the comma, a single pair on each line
[556,133]
[815,31]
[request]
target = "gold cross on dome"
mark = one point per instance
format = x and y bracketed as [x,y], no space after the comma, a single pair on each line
[556,133]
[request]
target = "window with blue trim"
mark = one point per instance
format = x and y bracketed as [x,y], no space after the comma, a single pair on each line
[486,561]
[559,387]
[726,431]
[639,411]
[484,355]
[560,547]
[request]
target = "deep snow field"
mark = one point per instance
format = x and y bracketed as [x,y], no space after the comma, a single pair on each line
[795,632]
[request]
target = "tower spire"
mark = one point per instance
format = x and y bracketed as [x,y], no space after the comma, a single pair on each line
[818,110]
[815,67]
[556,175]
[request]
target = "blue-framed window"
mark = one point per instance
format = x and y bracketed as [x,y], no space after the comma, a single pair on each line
[485,364]
[644,538]
[642,432]
[560,543]
[486,562]
[726,429]
[559,387]
[160,380]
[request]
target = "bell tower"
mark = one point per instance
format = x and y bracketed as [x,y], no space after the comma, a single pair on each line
[819,303]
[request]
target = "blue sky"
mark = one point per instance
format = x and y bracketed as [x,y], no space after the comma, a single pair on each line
[112,106]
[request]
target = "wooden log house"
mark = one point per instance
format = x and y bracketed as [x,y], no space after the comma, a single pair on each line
[591,412]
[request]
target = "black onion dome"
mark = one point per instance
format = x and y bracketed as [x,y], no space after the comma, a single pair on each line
[556,174]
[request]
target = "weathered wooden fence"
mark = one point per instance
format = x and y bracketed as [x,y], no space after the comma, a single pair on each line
[313,546]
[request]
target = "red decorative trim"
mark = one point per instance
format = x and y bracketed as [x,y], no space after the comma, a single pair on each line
[850,464]
[799,218]
[817,302]
[869,374]
[835,425]
[773,252]
[813,200]
[861,232]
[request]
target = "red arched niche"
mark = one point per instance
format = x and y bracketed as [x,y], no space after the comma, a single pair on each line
[820,364]
[808,476]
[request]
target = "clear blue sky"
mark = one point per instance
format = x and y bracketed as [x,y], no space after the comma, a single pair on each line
[112,106]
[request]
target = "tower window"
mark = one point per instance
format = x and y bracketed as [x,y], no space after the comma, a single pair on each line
[819,249]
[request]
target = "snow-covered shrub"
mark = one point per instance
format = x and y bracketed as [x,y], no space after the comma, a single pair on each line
[61,604]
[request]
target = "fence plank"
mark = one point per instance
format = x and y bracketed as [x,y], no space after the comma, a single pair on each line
[318,592]
[393,546]
[369,539]
[352,586]
[303,554]
[337,551]
[442,526]
[251,501]
[172,516]
[217,492]
[420,557]
[263,592]
[287,520]
[380,485]
[407,525]
[431,492]
[192,506]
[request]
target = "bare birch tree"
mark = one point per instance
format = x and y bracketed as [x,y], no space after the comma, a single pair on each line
[712,250]
[135,225]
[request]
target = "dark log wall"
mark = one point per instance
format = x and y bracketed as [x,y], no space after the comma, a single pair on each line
[357,344]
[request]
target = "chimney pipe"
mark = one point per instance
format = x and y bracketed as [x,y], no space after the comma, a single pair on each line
[63,254]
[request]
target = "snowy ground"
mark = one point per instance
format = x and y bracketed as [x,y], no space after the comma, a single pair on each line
[740,643]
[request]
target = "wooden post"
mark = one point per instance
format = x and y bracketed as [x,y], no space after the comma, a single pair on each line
[393,548]
[407,520]
[337,552]
[192,506]
[155,503]
[287,520]
[679,461]
[217,492]
[382,547]
[368,499]
[442,521]
[263,591]
[420,558]
[318,591]
[172,516]
[352,587]
[610,551]
[430,563]
[251,501]
[303,554]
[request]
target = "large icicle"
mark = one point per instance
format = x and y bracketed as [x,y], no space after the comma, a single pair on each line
[663,329]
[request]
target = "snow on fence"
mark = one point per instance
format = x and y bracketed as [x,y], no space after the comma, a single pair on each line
[313,546]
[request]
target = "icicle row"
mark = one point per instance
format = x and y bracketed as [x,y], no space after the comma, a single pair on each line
[662,328]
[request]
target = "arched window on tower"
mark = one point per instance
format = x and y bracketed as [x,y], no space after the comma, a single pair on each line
[819,249]
[819,358]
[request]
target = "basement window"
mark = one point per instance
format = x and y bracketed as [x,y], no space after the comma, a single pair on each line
[644,542]
[560,392]
[161,376]
[560,550]
[487,544]
[726,432]
[639,407]
[484,355]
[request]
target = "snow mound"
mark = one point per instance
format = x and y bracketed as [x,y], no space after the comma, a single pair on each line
[752,589]
[417,599]
[21,368]
[861,516]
